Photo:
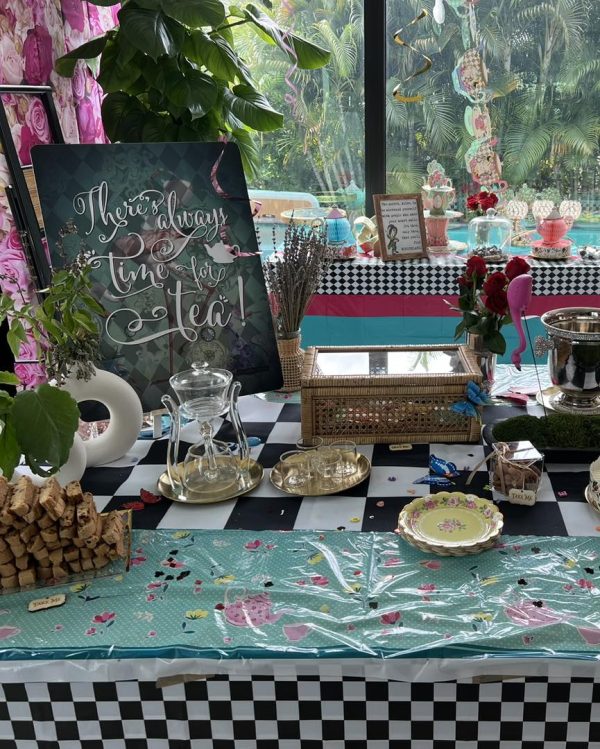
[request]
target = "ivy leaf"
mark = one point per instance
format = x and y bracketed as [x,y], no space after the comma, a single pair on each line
[65,65]
[251,107]
[195,13]
[46,420]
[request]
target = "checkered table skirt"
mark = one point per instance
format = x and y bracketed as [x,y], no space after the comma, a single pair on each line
[304,712]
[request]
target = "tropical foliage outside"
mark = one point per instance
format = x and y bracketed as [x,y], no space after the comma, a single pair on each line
[544,67]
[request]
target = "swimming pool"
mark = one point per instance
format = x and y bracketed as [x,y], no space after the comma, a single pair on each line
[582,235]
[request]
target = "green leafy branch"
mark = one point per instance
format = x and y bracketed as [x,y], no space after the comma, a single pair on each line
[64,325]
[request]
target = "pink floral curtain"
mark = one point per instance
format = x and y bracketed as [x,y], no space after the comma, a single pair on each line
[33,33]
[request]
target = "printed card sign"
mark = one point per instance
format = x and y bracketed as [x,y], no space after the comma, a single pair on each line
[401,227]
[169,234]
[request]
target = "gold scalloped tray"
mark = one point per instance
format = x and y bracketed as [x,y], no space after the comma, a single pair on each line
[314,487]
[244,485]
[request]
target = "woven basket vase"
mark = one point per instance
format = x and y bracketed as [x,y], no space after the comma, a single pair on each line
[292,359]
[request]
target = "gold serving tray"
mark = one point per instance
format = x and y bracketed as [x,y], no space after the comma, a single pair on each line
[314,488]
[244,485]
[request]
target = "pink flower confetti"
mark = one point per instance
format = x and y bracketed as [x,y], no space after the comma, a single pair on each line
[381,503]
[58,627]
[253,545]
[136,561]
[151,633]
[567,587]
[319,580]
[427,587]
[150,597]
[563,494]
[91,631]
[431,564]
[105,617]
[390,618]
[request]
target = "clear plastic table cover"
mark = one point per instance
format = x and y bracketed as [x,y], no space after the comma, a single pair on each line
[305,594]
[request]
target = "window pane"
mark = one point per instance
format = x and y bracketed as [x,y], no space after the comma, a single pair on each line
[543,62]
[320,149]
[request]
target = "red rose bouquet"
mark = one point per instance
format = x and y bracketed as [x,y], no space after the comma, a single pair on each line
[483,301]
[481,201]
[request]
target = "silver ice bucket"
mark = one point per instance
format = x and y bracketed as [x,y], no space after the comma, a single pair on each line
[573,347]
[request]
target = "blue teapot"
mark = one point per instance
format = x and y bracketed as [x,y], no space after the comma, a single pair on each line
[339,231]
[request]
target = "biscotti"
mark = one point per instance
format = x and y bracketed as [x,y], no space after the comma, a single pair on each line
[51,532]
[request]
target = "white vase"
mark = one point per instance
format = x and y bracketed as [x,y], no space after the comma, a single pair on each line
[72,470]
[124,407]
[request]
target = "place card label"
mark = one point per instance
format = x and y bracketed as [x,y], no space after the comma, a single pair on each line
[50,602]
[522,496]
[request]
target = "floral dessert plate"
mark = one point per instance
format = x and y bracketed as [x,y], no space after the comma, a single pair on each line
[450,523]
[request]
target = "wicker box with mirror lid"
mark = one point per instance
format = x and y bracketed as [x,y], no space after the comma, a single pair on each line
[389,394]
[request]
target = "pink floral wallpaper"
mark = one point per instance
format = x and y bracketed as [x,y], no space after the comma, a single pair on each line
[33,33]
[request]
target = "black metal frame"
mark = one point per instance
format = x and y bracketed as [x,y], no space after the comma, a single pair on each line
[17,193]
[375,16]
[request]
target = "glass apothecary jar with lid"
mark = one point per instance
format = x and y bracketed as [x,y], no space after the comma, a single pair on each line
[490,234]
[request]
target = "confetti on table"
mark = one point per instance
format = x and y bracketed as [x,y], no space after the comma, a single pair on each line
[355,520]
[562,494]
[487,488]
[411,491]
[381,503]
[392,478]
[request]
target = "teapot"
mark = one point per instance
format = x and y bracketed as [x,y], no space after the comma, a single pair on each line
[339,231]
[209,466]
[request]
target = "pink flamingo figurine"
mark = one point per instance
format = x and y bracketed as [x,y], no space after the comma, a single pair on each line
[519,296]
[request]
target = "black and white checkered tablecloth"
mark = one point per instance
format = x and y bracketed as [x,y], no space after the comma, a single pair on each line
[437,277]
[374,505]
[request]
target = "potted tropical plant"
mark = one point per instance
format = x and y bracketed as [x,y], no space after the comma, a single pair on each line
[61,333]
[171,72]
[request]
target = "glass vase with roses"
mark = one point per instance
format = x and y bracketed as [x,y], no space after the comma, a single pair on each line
[483,301]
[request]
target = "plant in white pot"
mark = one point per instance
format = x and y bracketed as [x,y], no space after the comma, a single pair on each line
[39,425]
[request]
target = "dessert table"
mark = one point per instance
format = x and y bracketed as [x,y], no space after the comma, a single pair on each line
[369,301]
[228,632]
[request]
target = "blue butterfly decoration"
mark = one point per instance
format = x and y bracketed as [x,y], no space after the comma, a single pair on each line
[475,396]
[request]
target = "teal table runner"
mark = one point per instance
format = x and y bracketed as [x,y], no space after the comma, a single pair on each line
[232,594]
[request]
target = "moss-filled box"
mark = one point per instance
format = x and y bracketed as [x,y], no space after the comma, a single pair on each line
[569,431]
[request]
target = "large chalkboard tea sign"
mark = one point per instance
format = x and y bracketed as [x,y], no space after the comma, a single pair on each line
[171,241]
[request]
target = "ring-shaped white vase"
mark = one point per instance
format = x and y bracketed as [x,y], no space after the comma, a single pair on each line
[124,407]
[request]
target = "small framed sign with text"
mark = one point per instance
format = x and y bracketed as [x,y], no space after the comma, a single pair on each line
[401,226]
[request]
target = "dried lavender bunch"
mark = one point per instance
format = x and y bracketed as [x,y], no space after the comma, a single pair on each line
[295,274]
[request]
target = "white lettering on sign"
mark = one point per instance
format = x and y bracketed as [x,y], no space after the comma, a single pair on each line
[144,261]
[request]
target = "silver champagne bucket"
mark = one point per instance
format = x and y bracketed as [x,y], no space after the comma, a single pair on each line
[573,347]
